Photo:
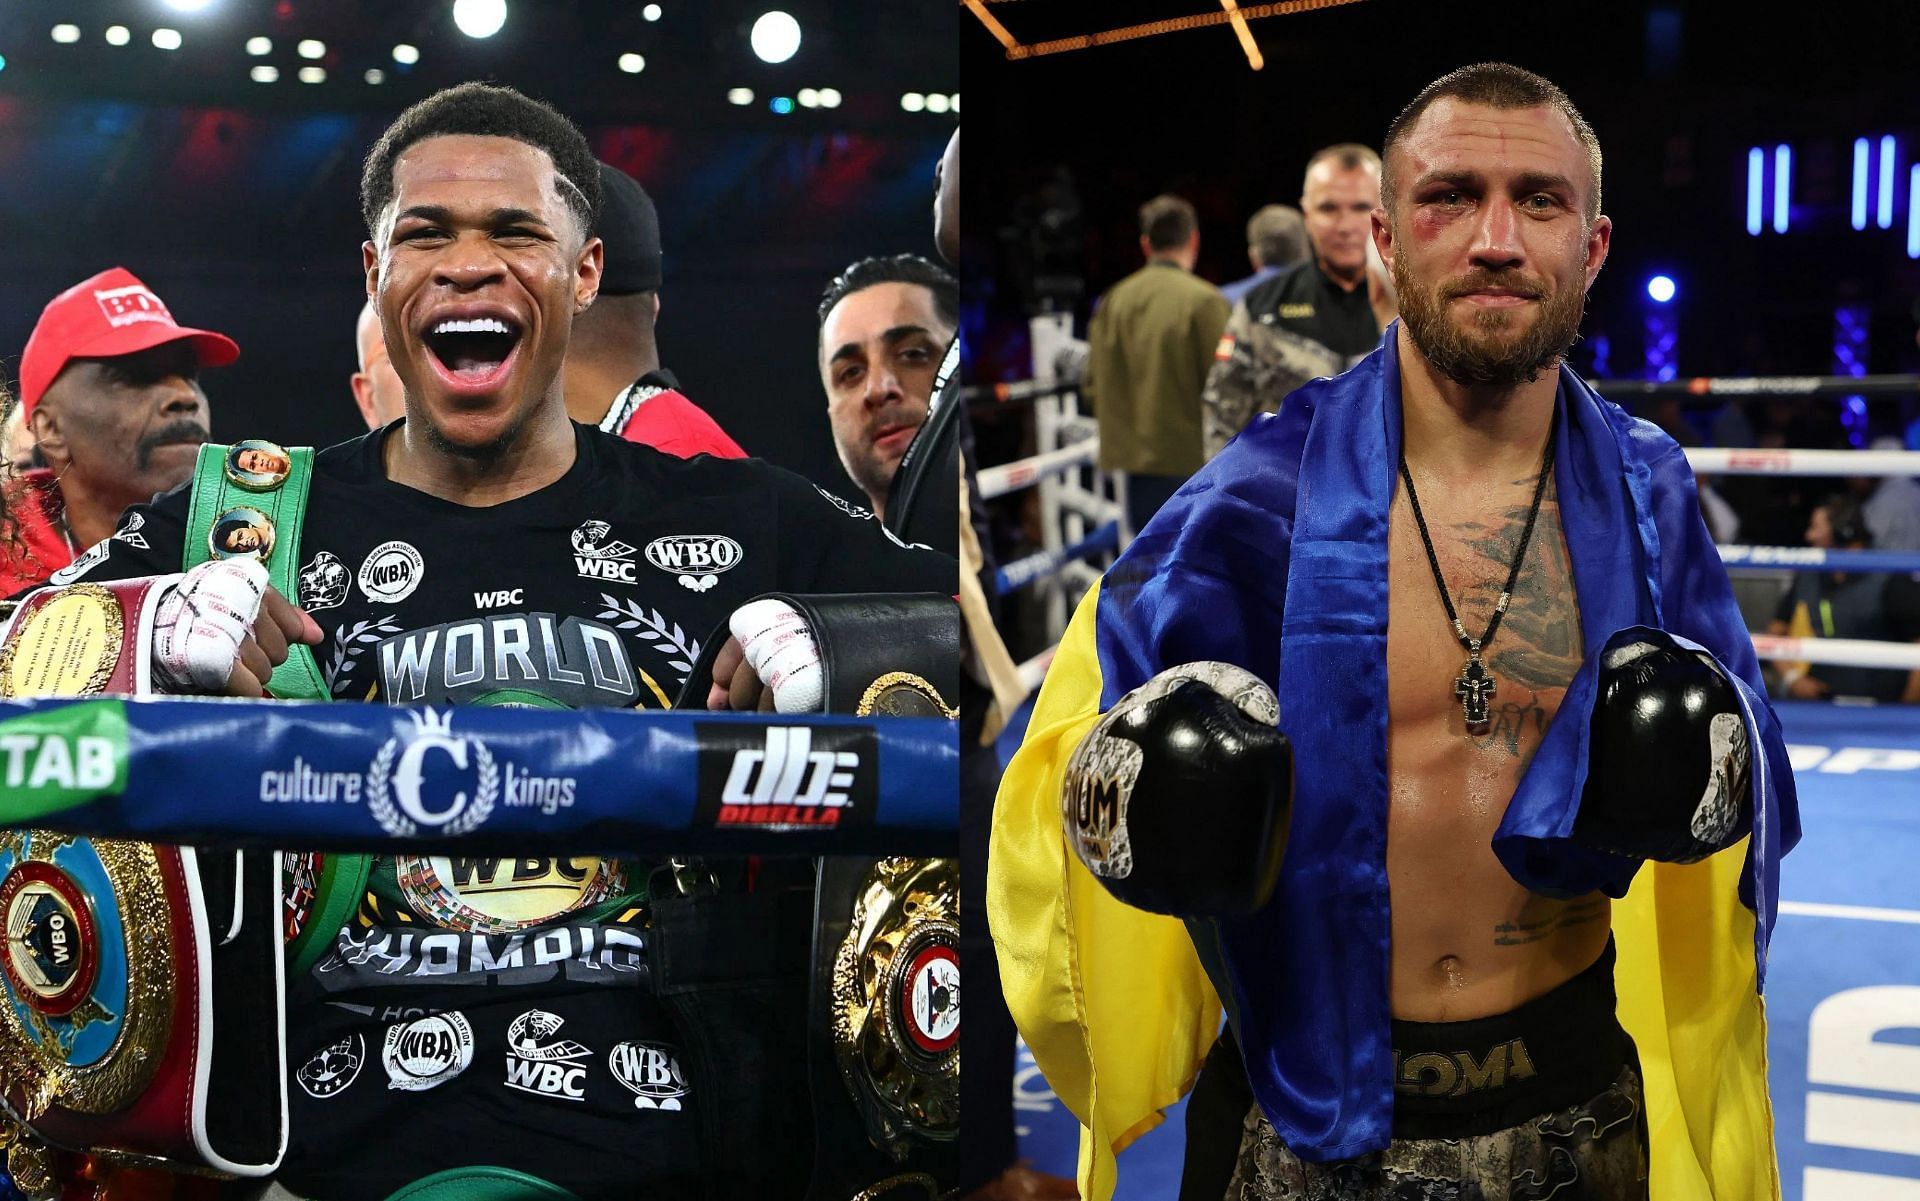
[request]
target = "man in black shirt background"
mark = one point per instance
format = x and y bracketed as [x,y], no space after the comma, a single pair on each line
[1316,318]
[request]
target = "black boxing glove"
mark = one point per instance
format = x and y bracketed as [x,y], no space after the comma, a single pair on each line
[1178,801]
[1668,765]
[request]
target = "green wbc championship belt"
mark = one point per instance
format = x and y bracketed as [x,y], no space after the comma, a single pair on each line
[250,501]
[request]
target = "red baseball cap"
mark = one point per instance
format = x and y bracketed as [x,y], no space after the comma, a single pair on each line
[110,315]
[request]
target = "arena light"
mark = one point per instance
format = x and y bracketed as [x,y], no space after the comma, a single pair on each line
[166,39]
[1859,183]
[937,102]
[1885,214]
[118,35]
[829,97]
[913,102]
[311,48]
[633,64]
[740,96]
[955,98]
[781,104]
[264,73]
[651,12]
[808,97]
[480,18]
[258,46]
[406,55]
[1913,212]
[313,75]
[1782,175]
[188,6]
[1661,289]
[376,76]
[775,37]
[66,35]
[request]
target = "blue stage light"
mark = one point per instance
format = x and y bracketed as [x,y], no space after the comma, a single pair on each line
[781,104]
[1661,288]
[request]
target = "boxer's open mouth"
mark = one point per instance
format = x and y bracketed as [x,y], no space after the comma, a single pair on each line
[473,351]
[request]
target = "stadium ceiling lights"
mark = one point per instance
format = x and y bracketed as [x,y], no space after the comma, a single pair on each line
[167,39]
[480,18]
[406,55]
[118,35]
[66,35]
[633,64]
[775,37]
[189,6]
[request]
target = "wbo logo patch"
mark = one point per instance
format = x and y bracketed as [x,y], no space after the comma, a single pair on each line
[695,560]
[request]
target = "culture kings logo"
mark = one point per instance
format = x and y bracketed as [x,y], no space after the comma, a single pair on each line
[397,795]
[786,777]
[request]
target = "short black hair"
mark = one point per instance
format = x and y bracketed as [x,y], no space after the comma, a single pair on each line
[896,269]
[1498,86]
[1167,222]
[490,111]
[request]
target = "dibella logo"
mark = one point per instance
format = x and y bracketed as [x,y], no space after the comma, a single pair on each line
[56,759]
[786,777]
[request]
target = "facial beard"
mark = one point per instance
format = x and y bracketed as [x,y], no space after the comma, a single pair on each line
[1487,350]
[484,453]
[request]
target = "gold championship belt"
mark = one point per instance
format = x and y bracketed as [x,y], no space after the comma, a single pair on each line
[896,1003]
[119,957]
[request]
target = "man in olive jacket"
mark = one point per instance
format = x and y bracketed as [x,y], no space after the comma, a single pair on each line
[1151,341]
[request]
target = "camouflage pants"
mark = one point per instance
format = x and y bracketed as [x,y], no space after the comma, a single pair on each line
[1594,1151]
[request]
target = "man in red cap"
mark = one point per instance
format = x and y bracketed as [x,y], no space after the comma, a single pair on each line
[109,386]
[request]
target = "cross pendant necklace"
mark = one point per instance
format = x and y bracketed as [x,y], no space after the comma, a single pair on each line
[1475,685]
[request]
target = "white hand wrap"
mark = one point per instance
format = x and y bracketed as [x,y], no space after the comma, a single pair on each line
[781,650]
[201,622]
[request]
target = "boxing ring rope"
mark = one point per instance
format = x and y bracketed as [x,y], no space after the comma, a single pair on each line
[1879,386]
[363,777]
[1068,445]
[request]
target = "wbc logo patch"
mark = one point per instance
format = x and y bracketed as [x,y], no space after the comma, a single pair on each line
[540,1063]
[651,1072]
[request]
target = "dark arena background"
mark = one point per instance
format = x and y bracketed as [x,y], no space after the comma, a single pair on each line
[1762,171]
[229,183]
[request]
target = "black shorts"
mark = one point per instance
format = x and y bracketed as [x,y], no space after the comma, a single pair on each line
[1545,1101]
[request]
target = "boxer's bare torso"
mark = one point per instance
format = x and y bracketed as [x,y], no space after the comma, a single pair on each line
[1468,941]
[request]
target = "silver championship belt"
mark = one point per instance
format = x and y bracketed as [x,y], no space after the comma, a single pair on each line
[140,985]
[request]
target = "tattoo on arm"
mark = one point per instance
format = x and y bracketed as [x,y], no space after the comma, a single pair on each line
[1531,927]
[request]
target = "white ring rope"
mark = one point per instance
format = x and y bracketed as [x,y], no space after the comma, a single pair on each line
[1839,652]
[1721,461]
[1024,473]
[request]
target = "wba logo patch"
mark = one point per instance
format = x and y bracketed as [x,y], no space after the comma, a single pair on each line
[786,777]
